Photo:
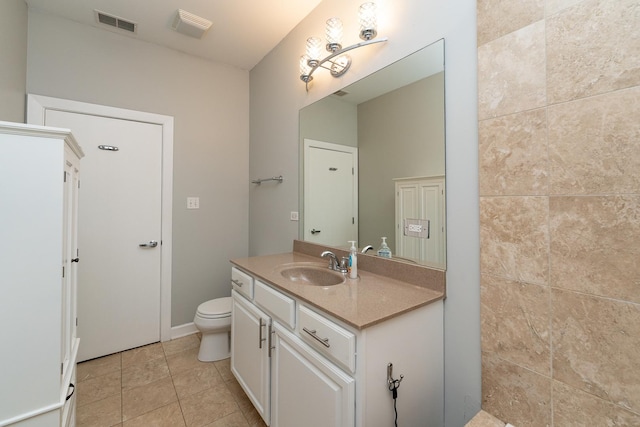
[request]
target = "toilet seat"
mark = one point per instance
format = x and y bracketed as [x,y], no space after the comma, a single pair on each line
[215,308]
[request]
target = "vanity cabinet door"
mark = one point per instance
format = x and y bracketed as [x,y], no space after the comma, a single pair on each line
[250,352]
[308,390]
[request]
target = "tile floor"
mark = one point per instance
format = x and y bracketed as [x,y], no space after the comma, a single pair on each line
[484,419]
[162,384]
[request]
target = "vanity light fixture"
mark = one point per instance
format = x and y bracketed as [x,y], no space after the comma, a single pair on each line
[339,62]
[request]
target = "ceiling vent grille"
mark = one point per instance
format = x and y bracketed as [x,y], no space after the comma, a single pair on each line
[191,25]
[115,21]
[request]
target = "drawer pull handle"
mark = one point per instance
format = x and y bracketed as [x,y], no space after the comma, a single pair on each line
[323,341]
[237,282]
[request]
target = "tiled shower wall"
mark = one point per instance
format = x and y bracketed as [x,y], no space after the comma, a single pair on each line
[559,126]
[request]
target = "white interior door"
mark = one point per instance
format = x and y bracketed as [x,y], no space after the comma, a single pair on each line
[330,193]
[119,210]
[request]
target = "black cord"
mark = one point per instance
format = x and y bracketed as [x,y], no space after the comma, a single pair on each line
[393,387]
[396,411]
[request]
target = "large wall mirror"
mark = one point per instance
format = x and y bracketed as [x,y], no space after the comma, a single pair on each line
[372,159]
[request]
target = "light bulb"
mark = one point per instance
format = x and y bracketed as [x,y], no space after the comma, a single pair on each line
[368,17]
[304,68]
[334,34]
[314,47]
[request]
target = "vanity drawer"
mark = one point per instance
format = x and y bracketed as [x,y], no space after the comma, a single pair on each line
[278,304]
[242,282]
[328,337]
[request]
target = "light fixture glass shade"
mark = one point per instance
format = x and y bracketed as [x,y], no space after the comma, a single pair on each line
[334,34]
[314,47]
[368,17]
[304,67]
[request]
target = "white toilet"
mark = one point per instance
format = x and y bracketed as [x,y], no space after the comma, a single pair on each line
[213,320]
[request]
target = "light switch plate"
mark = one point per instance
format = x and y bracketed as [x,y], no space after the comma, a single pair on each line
[294,216]
[193,202]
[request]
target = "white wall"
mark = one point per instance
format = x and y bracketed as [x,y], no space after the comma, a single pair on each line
[276,96]
[210,104]
[13,62]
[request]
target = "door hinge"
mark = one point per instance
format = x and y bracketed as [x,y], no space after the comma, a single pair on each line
[353,220]
[353,171]
[63,271]
[64,176]
[76,321]
[61,368]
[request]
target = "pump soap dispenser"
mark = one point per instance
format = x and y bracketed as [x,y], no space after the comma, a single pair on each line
[384,250]
[353,260]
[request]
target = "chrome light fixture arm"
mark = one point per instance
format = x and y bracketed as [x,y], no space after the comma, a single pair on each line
[338,67]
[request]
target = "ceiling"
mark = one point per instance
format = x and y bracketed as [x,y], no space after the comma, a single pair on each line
[243,31]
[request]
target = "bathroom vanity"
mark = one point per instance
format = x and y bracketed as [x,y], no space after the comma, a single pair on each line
[315,355]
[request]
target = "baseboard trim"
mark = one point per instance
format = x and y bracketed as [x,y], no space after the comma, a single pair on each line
[183,330]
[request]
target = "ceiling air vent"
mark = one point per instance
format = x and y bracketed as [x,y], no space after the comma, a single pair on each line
[340,93]
[116,22]
[190,25]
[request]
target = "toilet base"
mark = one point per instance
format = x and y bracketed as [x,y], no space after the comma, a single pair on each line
[215,346]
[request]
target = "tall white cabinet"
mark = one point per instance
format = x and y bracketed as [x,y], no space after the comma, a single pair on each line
[420,220]
[39,170]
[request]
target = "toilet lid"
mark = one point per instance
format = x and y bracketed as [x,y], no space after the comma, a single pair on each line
[219,307]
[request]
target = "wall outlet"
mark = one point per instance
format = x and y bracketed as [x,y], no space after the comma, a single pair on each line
[193,202]
[294,216]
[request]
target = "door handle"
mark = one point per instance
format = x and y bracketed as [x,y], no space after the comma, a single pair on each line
[151,244]
[314,231]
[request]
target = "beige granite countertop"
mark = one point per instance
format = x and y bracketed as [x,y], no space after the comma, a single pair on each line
[361,302]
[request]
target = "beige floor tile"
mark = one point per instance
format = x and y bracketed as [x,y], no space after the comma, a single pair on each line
[141,354]
[143,373]
[208,406]
[238,393]
[181,344]
[196,380]
[234,420]
[166,416]
[253,418]
[224,367]
[184,360]
[98,367]
[98,388]
[484,419]
[162,385]
[140,400]
[103,413]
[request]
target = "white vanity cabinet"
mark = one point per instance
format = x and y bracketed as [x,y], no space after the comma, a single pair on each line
[39,170]
[306,388]
[250,362]
[300,366]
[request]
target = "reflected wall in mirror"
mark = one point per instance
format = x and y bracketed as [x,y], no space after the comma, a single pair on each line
[393,120]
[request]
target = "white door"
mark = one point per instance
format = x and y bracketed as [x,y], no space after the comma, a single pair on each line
[119,234]
[330,193]
[329,394]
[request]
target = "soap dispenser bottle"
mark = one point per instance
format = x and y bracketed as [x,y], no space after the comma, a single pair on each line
[353,260]
[384,250]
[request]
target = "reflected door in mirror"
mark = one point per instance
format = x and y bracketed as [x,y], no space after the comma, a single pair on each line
[330,212]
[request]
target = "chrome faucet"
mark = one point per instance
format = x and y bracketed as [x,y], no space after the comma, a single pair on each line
[366,248]
[334,264]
